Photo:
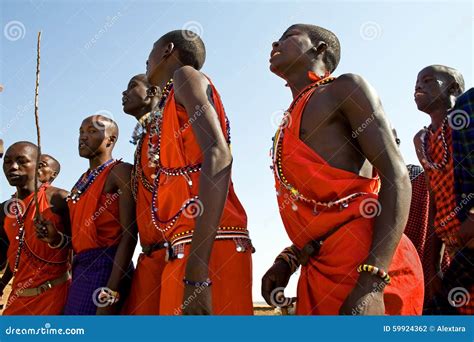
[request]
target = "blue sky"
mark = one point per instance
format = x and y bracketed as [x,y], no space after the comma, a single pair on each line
[90,50]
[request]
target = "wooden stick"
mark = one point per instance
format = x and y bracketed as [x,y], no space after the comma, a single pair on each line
[38,134]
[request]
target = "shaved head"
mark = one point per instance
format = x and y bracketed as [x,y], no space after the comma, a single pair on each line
[19,164]
[55,165]
[190,47]
[451,74]
[26,146]
[102,122]
[316,34]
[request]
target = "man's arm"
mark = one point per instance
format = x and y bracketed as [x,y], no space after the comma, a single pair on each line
[359,102]
[192,90]
[120,177]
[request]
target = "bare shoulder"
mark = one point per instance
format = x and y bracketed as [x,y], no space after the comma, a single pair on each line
[121,173]
[185,73]
[188,79]
[53,191]
[350,84]
[122,169]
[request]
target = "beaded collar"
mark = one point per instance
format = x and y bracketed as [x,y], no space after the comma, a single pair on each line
[154,161]
[428,132]
[140,128]
[86,180]
[20,219]
[276,153]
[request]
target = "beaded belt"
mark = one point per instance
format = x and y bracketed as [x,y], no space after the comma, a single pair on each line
[239,235]
[148,249]
[36,291]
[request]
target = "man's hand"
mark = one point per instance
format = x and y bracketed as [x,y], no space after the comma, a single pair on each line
[197,300]
[277,276]
[47,232]
[366,298]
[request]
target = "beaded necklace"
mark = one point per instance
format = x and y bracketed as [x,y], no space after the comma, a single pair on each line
[152,125]
[154,157]
[276,153]
[20,219]
[86,181]
[424,147]
[140,128]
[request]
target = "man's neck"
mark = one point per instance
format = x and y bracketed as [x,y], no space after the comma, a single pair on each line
[161,80]
[300,80]
[439,114]
[141,112]
[25,190]
[98,160]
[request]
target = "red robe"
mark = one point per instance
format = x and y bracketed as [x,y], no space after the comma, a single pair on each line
[95,217]
[326,281]
[38,263]
[230,270]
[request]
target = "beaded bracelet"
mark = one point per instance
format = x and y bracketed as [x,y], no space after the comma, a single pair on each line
[59,244]
[375,271]
[205,283]
[109,296]
[289,255]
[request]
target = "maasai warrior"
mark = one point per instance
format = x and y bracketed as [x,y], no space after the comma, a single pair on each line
[187,160]
[445,152]
[138,100]
[102,223]
[345,221]
[41,270]
[49,168]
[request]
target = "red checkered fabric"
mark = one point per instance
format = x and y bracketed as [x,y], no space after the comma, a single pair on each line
[446,222]
[417,229]
[442,184]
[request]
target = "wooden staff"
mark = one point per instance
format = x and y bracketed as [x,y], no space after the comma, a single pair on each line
[38,135]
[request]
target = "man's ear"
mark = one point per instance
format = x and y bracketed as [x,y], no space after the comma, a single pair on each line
[454,89]
[152,91]
[168,50]
[112,140]
[319,48]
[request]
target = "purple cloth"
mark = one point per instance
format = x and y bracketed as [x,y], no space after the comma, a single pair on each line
[91,270]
